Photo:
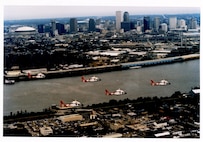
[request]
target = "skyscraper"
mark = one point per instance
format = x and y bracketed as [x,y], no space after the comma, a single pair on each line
[182,24]
[193,23]
[41,28]
[146,23]
[163,27]
[53,27]
[126,25]
[61,28]
[126,17]
[73,25]
[172,23]
[92,25]
[119,19]
[156,23]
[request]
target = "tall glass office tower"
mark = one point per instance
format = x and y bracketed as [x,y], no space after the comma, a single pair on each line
[126,17]
[146,23]
[73,25]
[92,25]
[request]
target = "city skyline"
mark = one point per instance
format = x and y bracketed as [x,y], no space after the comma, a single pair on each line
[38,12]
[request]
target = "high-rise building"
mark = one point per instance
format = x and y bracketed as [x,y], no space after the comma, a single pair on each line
[47,28]
[41,28]
[119,19]
[126,25]
[193,23]
[73,25]
[164,27]
[53,27]
[92,25]
[182,24]
[146,22]
[61,28]
[98,21]
[126,17]
[156,23]
[172,23]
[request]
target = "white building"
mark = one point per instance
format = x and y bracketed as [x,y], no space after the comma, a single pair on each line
[164,27]
[182,24]
[119,19]
[156,23]
[172,23]
[45,131]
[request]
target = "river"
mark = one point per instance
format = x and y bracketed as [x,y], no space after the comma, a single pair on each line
[39,94]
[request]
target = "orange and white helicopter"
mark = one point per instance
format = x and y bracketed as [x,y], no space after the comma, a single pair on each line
[118,92]
[91,79]
[160,83]
[73,104]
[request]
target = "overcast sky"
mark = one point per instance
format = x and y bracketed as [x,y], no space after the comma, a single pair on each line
[15,10]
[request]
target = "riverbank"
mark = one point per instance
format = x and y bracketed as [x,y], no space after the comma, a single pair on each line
[23,74]
[145,117]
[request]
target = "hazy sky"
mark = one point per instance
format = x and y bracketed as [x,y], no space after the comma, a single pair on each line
[14,10]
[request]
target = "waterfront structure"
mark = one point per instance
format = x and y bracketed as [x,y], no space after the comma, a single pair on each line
[172,23]
[119,19]
[146,21]
[92,25]
[73,25]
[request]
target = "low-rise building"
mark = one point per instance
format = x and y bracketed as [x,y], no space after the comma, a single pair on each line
[45,131]
[71,117]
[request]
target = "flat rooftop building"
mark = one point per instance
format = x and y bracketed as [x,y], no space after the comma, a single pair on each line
[72,117]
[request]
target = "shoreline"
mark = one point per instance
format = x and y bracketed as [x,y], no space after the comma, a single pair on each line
[23,76]
[140,101]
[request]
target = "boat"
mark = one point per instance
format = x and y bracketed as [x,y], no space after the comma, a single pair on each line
[39,75]
[136,67]
[9,81]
